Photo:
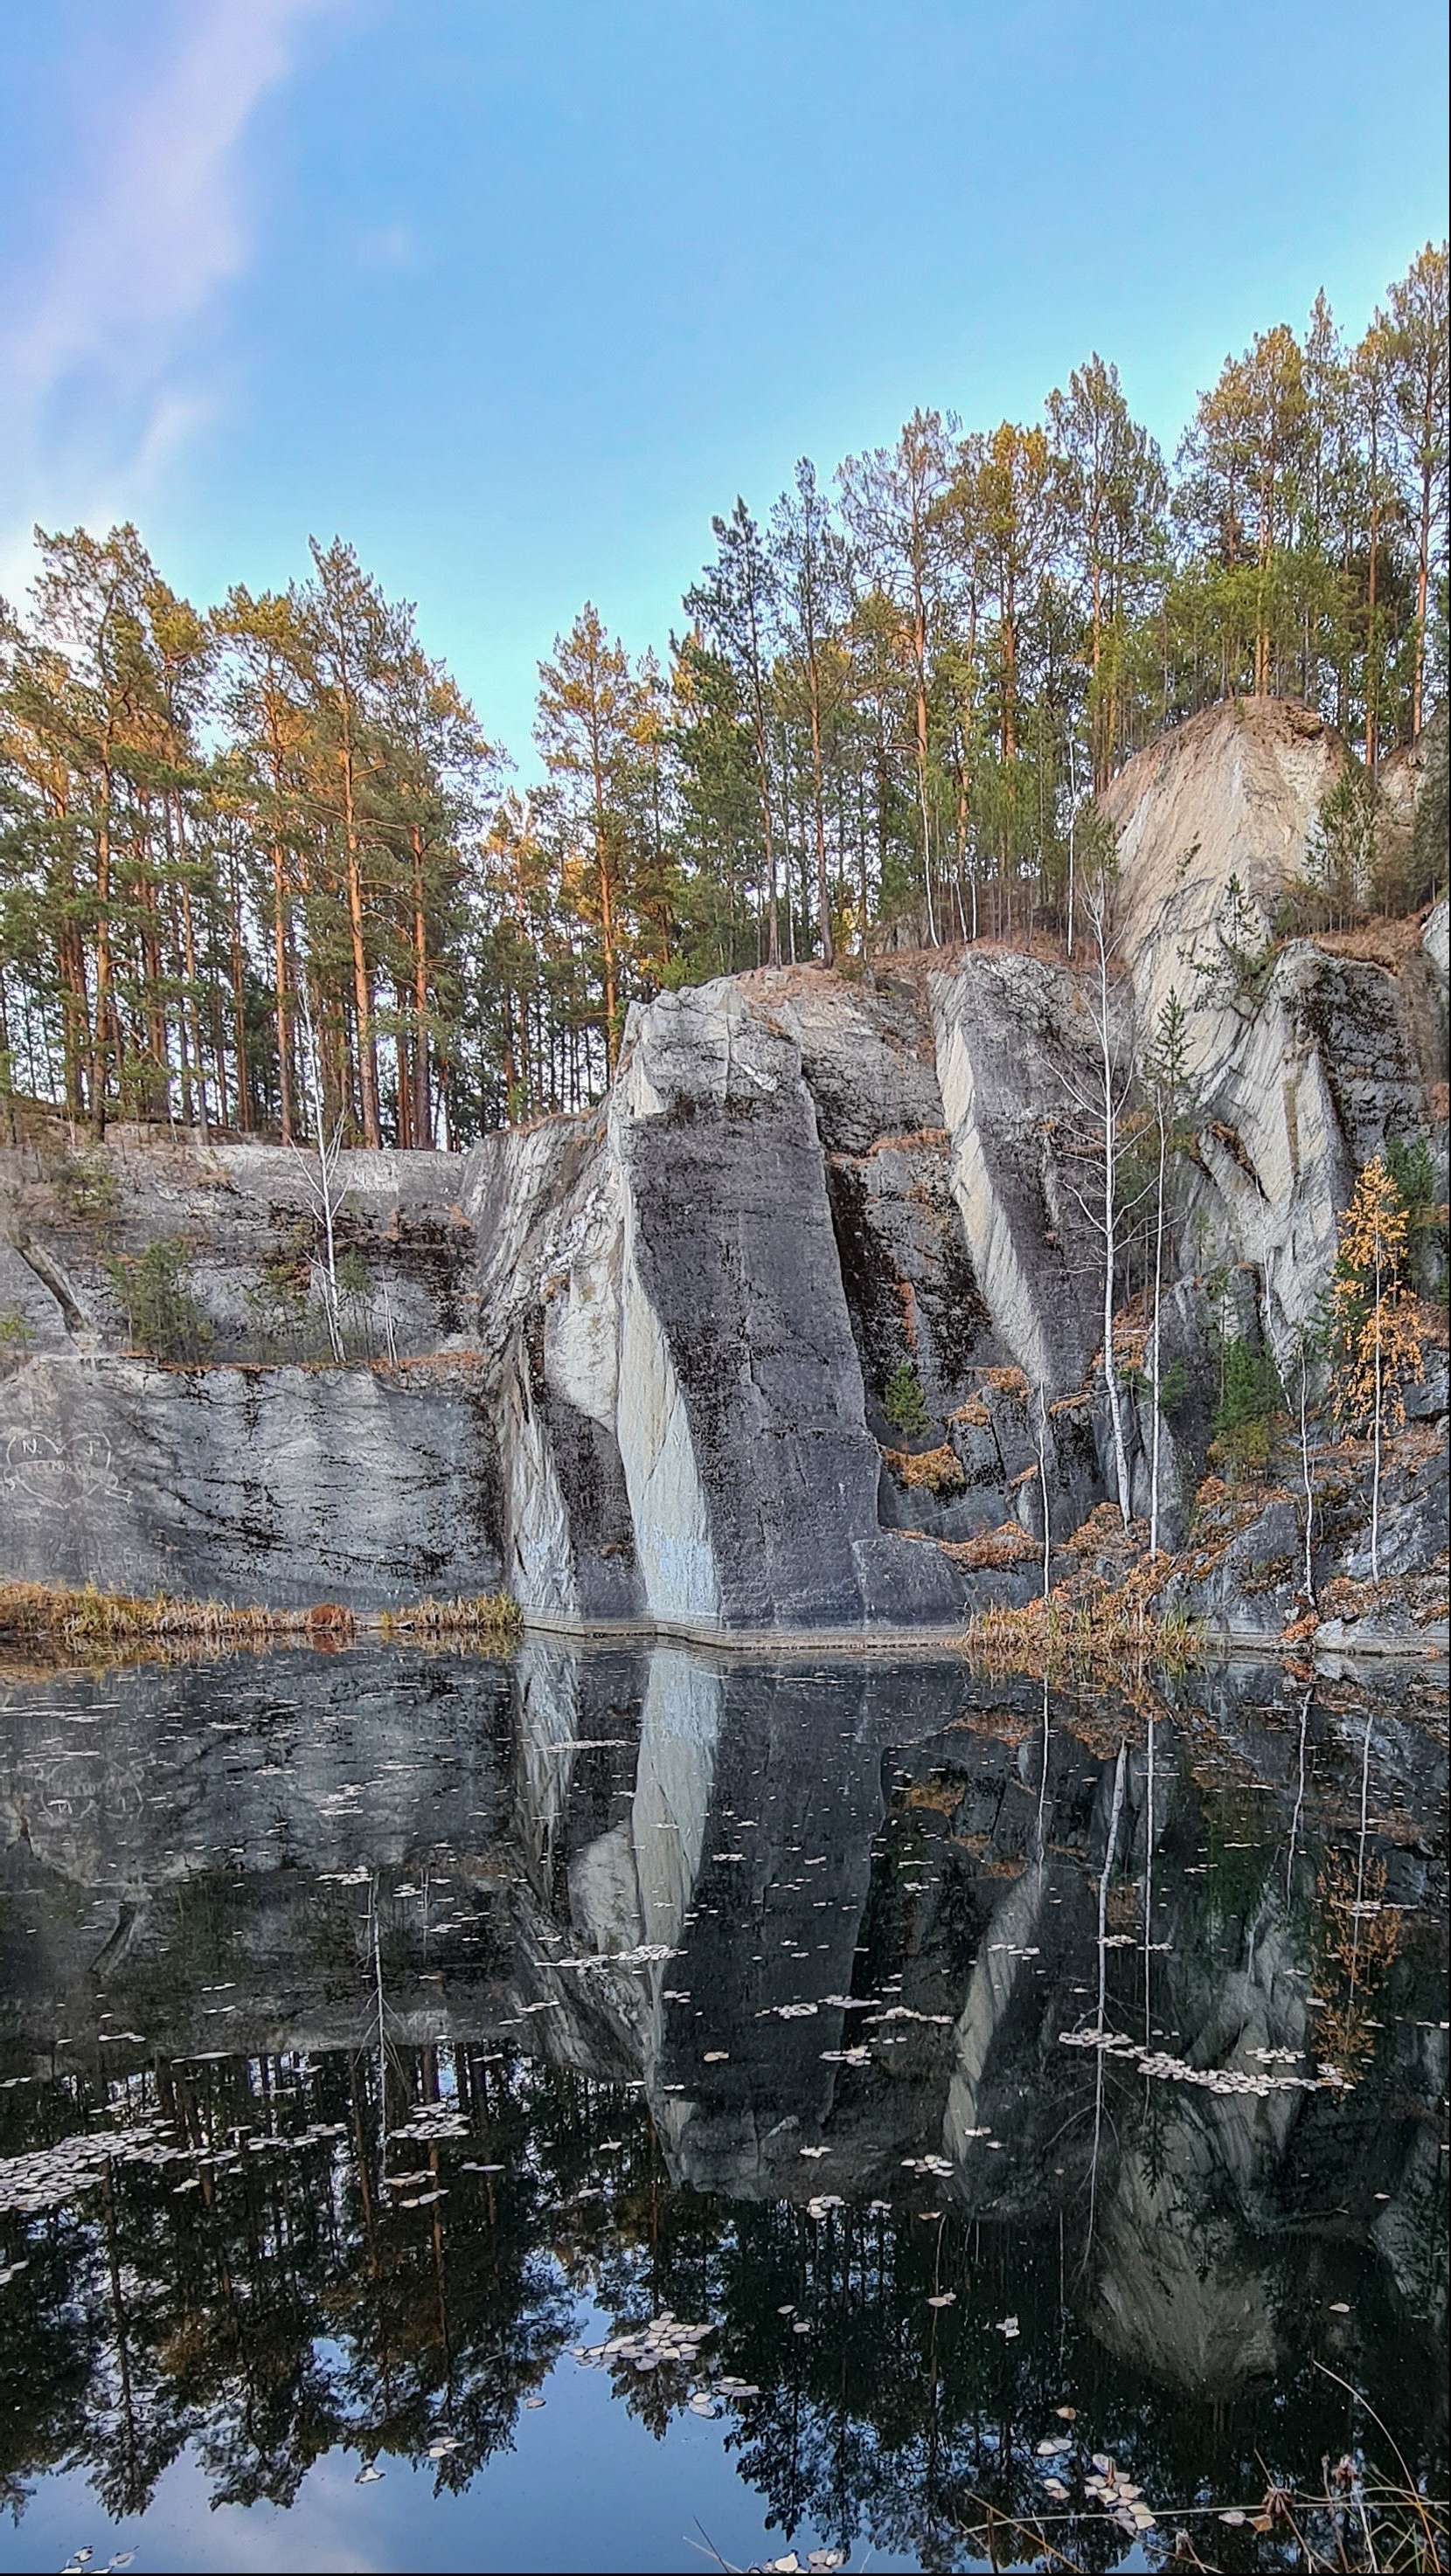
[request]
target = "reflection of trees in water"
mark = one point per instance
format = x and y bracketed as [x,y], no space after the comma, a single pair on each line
[286,2307]
[291,2304]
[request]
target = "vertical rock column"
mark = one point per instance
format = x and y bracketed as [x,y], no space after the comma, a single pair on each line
[752,1477]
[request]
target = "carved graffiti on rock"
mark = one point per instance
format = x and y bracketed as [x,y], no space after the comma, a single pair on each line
[53,1475]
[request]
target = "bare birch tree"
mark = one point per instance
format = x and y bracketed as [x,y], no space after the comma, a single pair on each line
[1166,1077]
[1104,1098]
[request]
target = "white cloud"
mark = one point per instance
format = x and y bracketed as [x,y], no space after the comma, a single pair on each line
[100,378]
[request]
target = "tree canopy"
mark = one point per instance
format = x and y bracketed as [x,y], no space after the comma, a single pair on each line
[261,866]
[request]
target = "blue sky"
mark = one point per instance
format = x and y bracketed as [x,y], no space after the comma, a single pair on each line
[515,293]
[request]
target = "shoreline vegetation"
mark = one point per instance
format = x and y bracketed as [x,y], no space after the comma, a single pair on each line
[1061,1636]
[59,1617]
[1057,1635]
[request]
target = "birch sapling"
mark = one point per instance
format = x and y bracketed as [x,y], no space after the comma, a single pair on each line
[1166,1073]
[1104,1098]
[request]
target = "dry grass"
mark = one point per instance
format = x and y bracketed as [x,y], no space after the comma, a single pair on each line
[1097,1635]
[56,1618]
[1004,1381]
[943,1797]
[494,1615]
[35,1612]
[1381,942]
[936,1471]
[1358,2518]
[993,1551]
[1433,1321]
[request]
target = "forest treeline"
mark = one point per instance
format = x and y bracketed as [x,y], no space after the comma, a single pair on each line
[263,871]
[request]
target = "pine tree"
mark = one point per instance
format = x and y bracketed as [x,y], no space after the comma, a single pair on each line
[1422,394]
[344,622]
[811,557]
[593,731]
[895,503]
[1112,489]
[735,603]
[885,708]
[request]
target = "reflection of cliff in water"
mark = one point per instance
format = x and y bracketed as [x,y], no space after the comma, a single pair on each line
[886,1891]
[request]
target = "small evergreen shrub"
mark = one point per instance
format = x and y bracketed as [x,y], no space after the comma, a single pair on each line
[15,1336]
[163,1318]
[1414,1174]
[277,1310]
[86,1188]
[902,1402]
[1250,1400]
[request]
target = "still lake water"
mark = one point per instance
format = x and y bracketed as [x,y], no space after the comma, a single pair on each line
[384,2033]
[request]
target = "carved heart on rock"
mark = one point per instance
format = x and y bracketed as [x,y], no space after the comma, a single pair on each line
[52,1473]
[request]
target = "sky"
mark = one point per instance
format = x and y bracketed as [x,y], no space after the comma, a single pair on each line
[514,294]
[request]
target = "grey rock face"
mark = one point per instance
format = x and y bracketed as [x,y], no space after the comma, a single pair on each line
[278,1486]
[1016,1055]
[755,1317]
[1295,1080]
[661,1336]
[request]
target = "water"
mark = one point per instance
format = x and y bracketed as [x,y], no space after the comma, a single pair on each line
[332,2155]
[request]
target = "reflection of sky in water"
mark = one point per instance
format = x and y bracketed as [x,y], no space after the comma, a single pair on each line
[236,1861]
[586,2485]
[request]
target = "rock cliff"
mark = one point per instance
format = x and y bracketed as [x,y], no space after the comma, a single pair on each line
[791,1331]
